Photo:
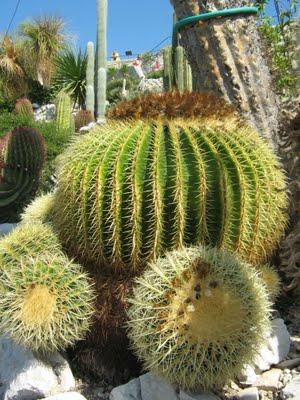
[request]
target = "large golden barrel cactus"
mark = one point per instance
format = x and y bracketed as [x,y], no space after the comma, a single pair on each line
[131,190]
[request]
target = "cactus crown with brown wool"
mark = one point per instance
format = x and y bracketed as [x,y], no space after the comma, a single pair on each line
[131,190]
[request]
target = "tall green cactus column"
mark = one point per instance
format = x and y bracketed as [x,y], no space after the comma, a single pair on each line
[63,111]
[101,59]
[90,78]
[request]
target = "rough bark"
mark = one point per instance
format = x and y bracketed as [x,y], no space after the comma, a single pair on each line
[226,58]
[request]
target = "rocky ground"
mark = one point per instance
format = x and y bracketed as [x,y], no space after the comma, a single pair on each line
[275,376]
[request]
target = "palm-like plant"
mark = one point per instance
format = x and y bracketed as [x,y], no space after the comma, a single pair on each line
[12,74]
[44,39]
[70,75]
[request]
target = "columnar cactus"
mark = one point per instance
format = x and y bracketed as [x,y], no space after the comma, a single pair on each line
[46,300]
[226,57]
[177,71]
[168,68]
[24,108]
[63,111]
[130,191]
[102,84]
[90,78]
[197,317]
[22,154]
[101,63]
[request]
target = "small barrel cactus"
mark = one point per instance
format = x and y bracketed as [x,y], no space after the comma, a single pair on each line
[271,279]
[130,191]
[24,108]
[83,118]
[198,316]
[63,111]
[22,154]
[46,300]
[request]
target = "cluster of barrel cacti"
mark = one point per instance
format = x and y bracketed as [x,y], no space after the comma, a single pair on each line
[167,211]
[22,154]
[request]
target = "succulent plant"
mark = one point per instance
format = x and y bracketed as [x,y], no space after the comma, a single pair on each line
[130,191]
[39,210]
[22,154]
[24,108]
[83,118]
[90,79]
[197,317]
[63,111]
[46,300]
[271,279]
[28,239]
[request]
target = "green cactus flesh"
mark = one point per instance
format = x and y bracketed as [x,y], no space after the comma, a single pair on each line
[63,111]
[22,154]
[197,317]
[46,300]
[129,191]
[39,210]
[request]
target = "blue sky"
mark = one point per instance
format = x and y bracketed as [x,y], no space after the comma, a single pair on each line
[133,24]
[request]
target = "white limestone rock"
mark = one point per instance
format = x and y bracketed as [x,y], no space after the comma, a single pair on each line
[292,390]
[25,376]
[67,396]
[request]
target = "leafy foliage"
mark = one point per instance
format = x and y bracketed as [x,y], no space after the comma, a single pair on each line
[279,45]
[43,39]
[70,75]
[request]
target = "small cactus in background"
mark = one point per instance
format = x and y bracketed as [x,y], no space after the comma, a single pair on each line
[22,154]
[177,71]
[128,192]
[197,317]
[46,300]
[24,108]
[168,69]
[90,79]
[63,111]
[39,210]
[83,118]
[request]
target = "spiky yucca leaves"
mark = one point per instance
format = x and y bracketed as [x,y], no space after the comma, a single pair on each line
[24,108]
[170,105]
[83,118]
[46,300]
[39,210]
[197,317]
[22,154]
[129,191]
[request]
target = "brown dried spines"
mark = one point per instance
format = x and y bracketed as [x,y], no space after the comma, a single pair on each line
[172,105]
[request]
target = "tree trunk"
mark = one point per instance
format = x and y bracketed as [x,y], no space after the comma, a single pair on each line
[226,58]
